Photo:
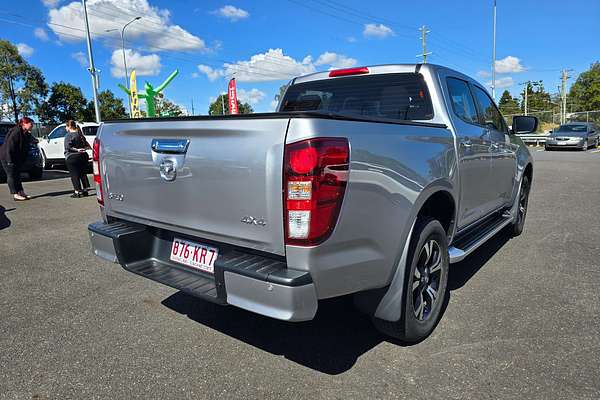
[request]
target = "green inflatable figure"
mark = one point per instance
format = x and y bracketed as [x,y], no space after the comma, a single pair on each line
[150,94]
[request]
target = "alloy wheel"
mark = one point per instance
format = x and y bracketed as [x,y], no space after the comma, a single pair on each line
[426,279]
[523,200]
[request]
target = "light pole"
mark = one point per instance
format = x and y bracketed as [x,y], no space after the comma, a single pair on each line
[92,69]
[124,58]
[494,57]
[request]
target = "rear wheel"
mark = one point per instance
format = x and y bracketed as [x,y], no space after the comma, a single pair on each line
[36,173]
[516,228]
[425,284]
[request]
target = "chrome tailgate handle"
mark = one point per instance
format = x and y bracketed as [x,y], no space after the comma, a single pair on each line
[170,146]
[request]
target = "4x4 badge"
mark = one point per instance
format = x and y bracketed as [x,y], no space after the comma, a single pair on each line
[250,220]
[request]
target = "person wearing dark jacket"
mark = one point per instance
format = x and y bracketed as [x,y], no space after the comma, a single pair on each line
[76,158]
[13,154]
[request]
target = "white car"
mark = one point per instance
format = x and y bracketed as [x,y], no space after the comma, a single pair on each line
[53,146]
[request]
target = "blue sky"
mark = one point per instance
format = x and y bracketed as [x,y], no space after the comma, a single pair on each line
[267,42]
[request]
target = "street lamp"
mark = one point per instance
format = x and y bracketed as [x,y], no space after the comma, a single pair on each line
[124,59]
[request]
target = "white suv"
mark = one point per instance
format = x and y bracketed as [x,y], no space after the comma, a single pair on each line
[53,146]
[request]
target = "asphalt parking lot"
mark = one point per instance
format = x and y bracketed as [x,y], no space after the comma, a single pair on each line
[522,320]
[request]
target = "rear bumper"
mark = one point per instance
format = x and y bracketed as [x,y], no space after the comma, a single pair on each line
[252,281]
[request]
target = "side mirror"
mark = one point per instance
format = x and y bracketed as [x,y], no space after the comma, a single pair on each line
[524,124]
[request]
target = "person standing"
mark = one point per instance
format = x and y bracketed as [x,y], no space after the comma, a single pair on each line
[13,154]
[77,159]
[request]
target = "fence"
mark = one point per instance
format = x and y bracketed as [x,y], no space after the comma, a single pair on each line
[550,120]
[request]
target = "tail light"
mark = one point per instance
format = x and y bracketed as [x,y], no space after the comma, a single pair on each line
[315,177]
[96,166]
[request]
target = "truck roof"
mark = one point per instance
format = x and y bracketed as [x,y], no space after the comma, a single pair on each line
[384,69]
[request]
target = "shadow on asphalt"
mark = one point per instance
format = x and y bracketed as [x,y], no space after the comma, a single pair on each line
[334,340]
[461,272]
[4,221]
[53,194]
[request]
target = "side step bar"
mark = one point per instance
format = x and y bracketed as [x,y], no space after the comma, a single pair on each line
[470,241]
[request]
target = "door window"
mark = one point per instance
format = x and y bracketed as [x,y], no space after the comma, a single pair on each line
[462,100]
[489,116]
[58,133]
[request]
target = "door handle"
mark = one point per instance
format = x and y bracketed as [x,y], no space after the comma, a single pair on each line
[494,146]
[466,143]
[170,146]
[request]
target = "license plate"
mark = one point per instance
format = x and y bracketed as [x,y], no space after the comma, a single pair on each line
[194,255]
[561,143]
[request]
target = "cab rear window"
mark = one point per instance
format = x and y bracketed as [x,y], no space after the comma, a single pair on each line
[391,96]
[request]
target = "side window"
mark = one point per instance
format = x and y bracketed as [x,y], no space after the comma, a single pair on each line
[462,100]
[489,117]
[58,133]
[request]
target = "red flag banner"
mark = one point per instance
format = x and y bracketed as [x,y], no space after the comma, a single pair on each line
[232,95]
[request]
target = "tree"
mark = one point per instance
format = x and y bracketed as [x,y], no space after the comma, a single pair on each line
[508,105]
[538,99]
[66,101]
[111,107]
[216,107]
[585,92]
[166,108]
[22,85]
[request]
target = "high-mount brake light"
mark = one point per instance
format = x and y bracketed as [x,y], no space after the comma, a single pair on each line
[96,167]
[315,177]
[349,71]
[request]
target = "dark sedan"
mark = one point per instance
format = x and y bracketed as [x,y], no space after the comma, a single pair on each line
[33,163]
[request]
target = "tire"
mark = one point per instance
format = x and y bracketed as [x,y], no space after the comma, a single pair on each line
[36,173]
[585,146]
[546,148]
[424,292]
[45,163]
[516,228]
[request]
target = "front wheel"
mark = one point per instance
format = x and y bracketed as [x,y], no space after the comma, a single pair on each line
[425,284]
[585,146]
[516,228]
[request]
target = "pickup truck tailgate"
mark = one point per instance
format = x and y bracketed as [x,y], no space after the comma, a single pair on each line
[228,188]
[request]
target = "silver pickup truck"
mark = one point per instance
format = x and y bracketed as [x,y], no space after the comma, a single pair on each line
[368,181]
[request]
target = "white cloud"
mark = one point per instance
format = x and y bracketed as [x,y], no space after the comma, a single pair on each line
[275,65]
[501,83]
[335,60]
[379,31]
[24,50]
[270,66]
[509,65]
[484,74]
[351,39]
[81,58]
[211,73]
[253,96]
[195,75]
[232,13]
[41,34]
[154,29]
[50,3]
[148,65]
